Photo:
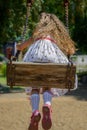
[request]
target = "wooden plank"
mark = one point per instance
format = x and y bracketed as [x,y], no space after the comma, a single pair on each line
[40,75]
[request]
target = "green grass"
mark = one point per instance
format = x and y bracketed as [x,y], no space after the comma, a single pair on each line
[2,80]
[6,89]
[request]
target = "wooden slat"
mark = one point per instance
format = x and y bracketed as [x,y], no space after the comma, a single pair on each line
[38,74]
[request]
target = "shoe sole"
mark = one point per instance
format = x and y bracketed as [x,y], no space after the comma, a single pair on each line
[46,121]
[34,124]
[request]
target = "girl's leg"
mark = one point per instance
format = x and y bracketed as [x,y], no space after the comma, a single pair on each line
[35,118]
[46,120]
[47,96]
[35,99]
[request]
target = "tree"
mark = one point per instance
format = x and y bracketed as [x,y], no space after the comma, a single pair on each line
[13,14]
[80,30]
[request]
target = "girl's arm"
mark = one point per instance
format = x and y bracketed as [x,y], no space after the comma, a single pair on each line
[24,45]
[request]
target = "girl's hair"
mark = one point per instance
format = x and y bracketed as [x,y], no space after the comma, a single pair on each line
[49,24]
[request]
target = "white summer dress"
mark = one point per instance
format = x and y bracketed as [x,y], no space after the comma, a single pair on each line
[45,50]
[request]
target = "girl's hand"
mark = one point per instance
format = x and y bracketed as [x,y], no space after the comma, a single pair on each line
[71,51]
[18,46]
[25,44]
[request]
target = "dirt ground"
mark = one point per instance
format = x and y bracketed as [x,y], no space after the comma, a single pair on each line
[69,111]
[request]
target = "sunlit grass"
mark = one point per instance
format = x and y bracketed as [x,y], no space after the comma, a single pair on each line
[2,80]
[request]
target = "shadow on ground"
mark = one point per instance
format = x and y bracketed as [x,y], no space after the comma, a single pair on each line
[80,93]
[5,89]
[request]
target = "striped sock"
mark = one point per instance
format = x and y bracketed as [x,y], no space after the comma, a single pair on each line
[47,97]
[35,99]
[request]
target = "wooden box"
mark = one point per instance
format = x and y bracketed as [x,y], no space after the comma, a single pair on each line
[41,75]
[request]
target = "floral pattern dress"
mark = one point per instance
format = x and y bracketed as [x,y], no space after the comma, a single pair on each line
[45,50]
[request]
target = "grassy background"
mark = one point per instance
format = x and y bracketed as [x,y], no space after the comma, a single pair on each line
[2,80]
[6,89]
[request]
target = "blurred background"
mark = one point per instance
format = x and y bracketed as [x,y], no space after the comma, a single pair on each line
[18,19]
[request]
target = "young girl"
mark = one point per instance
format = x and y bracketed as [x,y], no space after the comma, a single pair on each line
[50,43]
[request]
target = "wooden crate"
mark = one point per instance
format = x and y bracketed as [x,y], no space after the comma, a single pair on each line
[41,75]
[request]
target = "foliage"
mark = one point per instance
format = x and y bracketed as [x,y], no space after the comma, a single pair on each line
[13,14]
[80,30]
[3,70]
[12,19]
[80,37]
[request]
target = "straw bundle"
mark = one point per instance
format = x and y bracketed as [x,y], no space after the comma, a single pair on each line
[49,24]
